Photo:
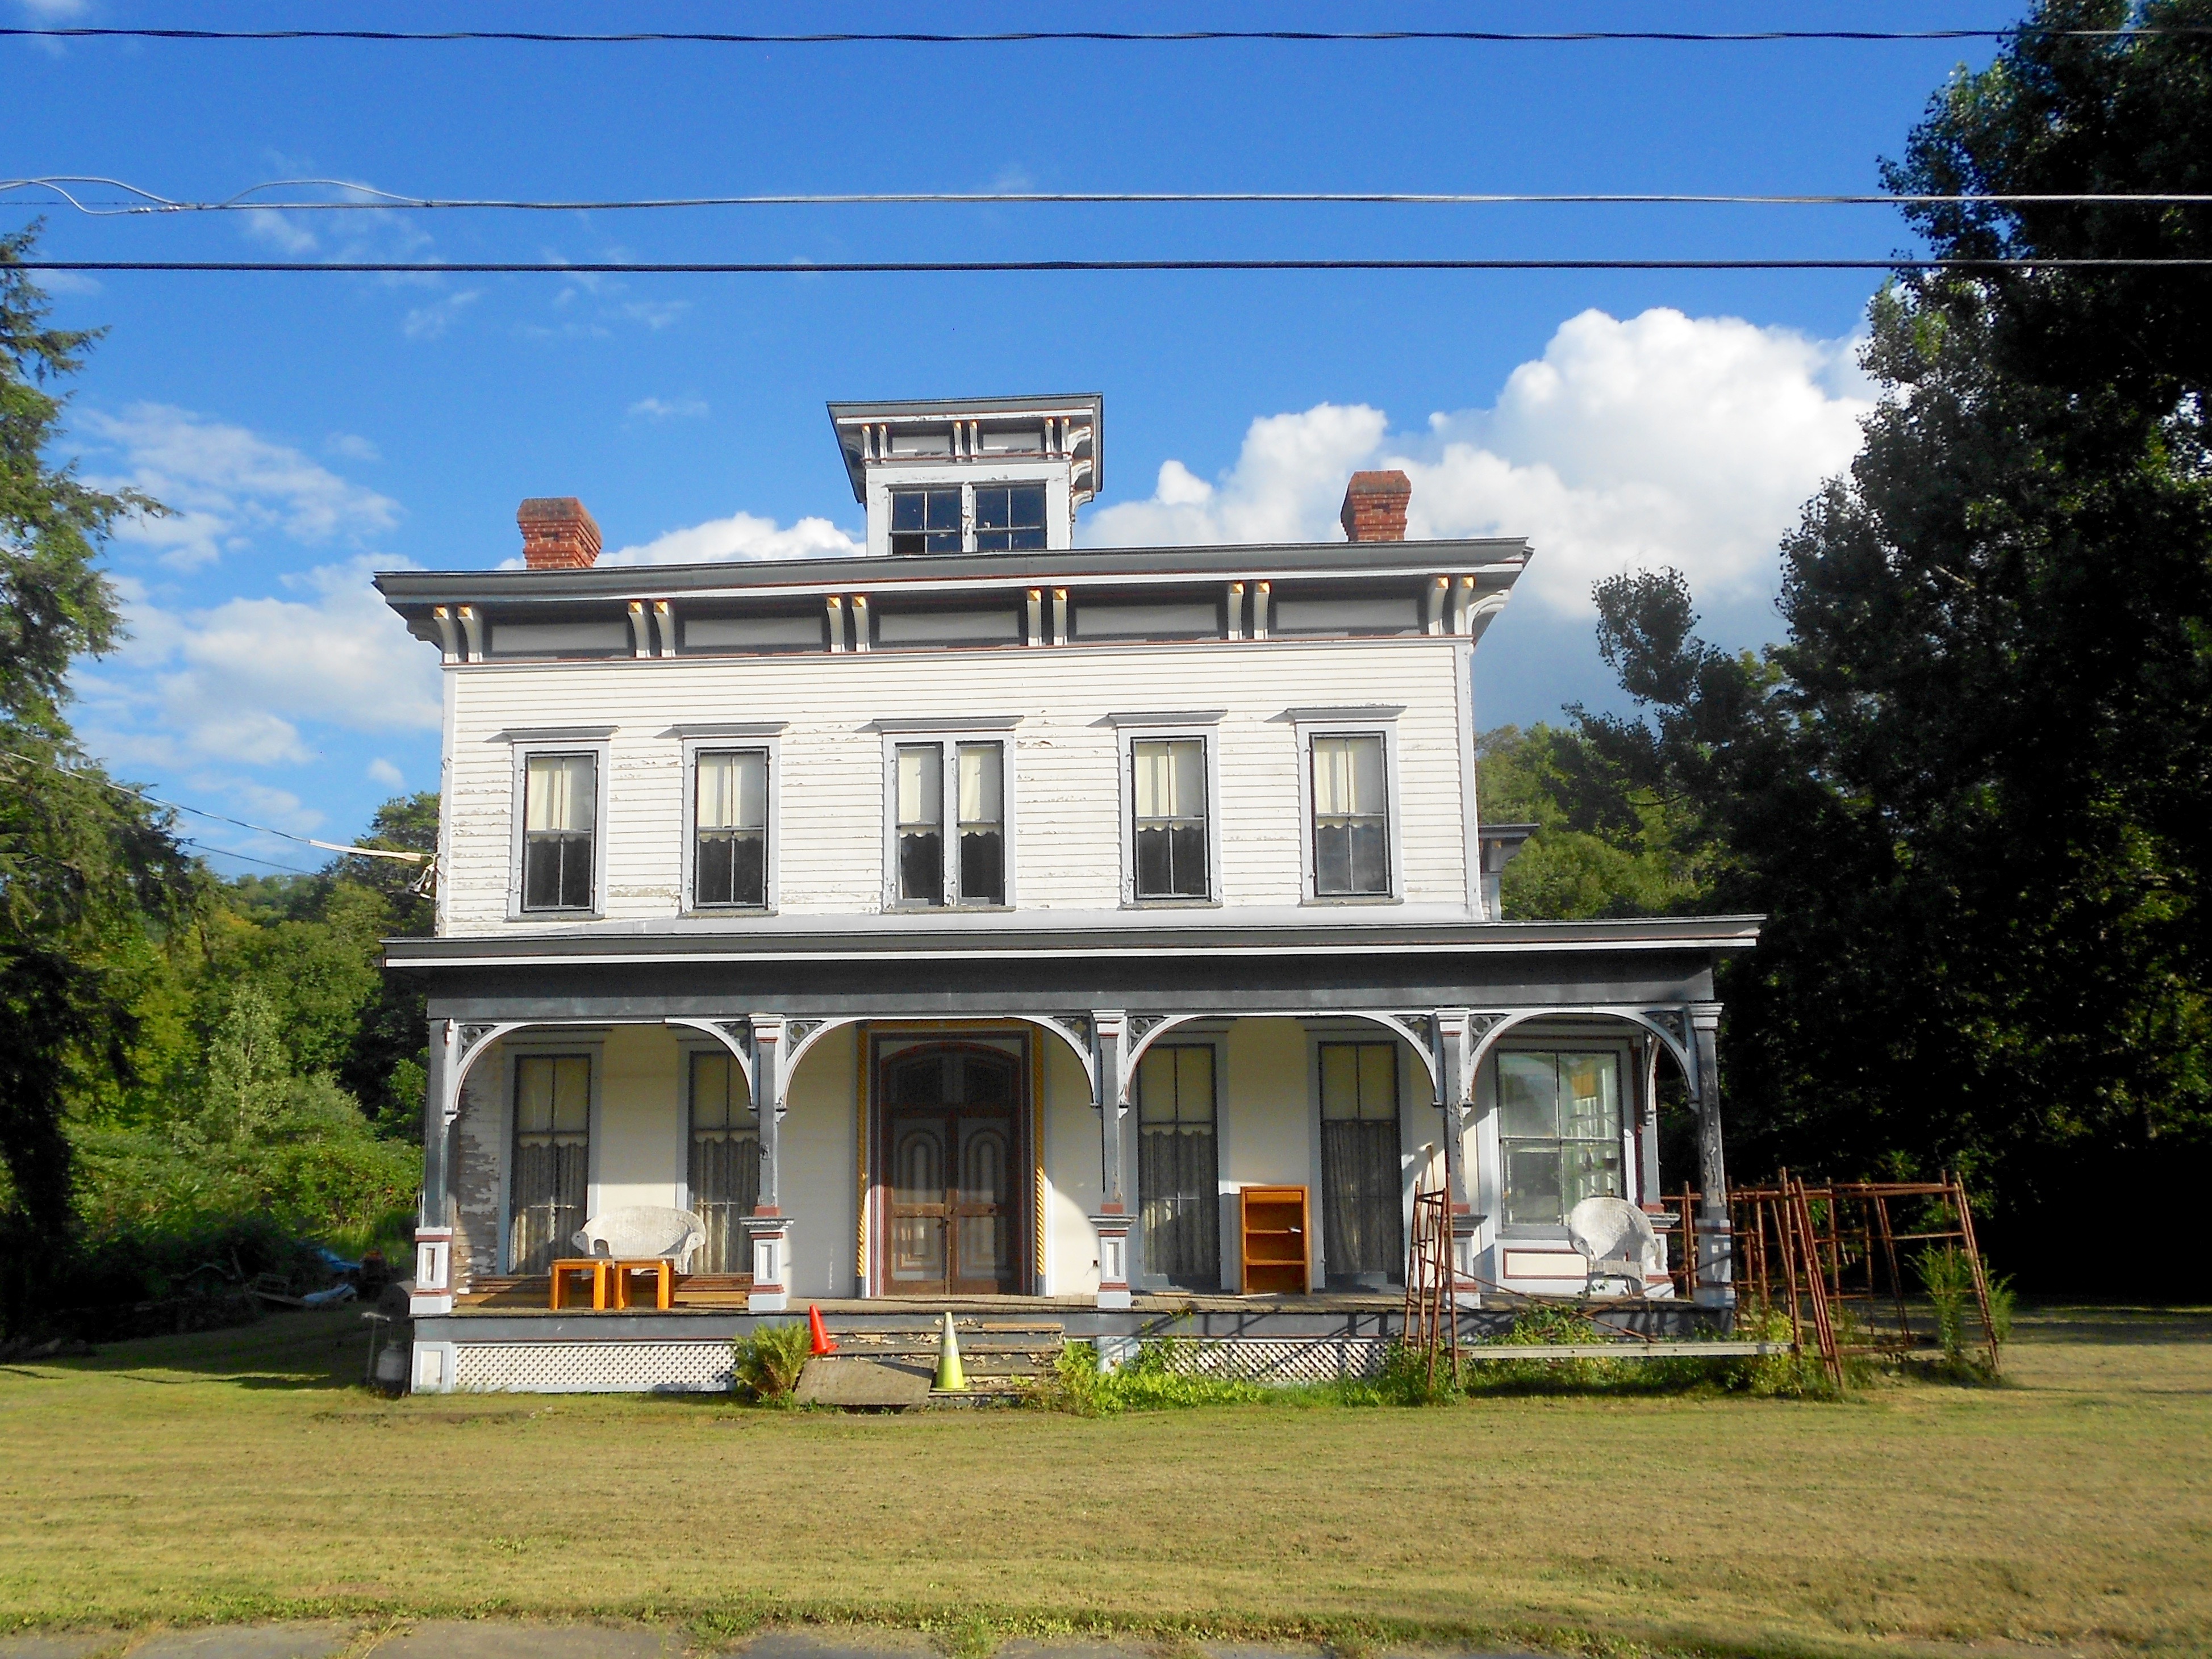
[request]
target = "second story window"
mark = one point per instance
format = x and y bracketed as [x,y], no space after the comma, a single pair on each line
[1351,817]
[974,775]
[730,856]
[560,811]
[1010,518]
[926,520]
[1168,788]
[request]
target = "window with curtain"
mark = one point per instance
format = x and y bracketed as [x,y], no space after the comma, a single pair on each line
[729,860]
[983,824]
[974,773]
[920,828]
[559,809]
[725,1165]
[1179,1215]
[1351,817]
[1168,793]
[551,1166]
[1560,1132]
[1363,1231]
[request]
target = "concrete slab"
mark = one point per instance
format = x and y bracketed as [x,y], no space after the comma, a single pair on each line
[861,1383]
[302,1641]
[1028,1650]
[467,1639]
[62,1645]
[837,1641]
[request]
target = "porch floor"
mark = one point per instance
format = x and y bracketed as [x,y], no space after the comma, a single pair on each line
[723,1294]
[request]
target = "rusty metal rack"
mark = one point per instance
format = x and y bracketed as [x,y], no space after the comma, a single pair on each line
[1827,1254]
[1432,1318]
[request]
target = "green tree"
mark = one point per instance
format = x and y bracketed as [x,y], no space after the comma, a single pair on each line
[85,867]
[1601,850]
[1973,789]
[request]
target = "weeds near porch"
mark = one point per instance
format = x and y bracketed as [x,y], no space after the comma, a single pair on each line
[1948,1276]
[764,1366]
[1162,1377]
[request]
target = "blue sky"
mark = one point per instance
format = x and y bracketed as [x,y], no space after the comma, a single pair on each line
[310,427]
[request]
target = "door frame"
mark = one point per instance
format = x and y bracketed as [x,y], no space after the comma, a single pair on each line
[1025,1204]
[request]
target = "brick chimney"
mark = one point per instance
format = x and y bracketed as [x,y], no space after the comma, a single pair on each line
[1374,507]
[558,534]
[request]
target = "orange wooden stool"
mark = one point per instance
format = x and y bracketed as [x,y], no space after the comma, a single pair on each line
[664,1290]
[596,1266]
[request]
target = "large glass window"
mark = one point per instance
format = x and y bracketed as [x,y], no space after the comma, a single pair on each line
[1351,818]
[725,1167]
[1180,1209]
[920,768]
[1558,1125]
[983,824]
[979,799]
[926,520]
[548,1184]
[1168,792]
[729,862]
[560,807]
[1009,517]
[1363,1231]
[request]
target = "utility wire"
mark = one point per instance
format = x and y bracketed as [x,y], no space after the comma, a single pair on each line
[962,267]
[247,200]
[220,817]
[1133,37]
[209,846]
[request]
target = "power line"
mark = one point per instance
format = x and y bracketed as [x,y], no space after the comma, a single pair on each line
[1112,37]
[209,846]
[246,200]
[220,817]
[969,267]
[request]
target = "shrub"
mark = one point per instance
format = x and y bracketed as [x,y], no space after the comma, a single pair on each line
[1948,1276]
[764,1366]
[1161,1376]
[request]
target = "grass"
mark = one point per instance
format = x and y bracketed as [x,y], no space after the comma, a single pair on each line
[238,1474]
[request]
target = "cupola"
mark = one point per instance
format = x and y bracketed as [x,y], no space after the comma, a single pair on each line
[971,475]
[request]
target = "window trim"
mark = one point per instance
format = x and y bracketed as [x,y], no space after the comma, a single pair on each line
[1199,726]
[772,747]
[948,736]
[546,1042]
[1492,1120]
[523,748]
[1349,723]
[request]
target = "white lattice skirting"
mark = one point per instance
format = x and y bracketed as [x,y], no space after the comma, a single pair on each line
[1292,1360]
[704,1367]
[592,1367]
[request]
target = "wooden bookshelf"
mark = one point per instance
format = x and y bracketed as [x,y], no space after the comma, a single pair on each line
[1272,1223]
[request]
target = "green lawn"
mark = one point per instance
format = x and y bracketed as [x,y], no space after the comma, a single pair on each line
[236,1475]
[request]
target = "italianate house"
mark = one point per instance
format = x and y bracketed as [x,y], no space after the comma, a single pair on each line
[990,922]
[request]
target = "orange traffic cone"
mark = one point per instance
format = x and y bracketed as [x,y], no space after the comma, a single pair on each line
[822,1343]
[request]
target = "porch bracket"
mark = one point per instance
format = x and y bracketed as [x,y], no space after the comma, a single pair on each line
[734,1035]
[1143,1031]
[1075,1030]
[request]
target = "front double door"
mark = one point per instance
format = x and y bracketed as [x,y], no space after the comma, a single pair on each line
[953,1160]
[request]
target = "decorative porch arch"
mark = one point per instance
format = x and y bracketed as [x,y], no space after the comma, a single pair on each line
[1651,1019]
[1146,1029]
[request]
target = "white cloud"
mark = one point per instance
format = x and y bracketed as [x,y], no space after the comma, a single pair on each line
[69,282]
[382,771]
[430,322]
[235,680]
[223,483]
[740,536]
[352,446]
[1660,440]
[55,11]
[668,409]
[288,237]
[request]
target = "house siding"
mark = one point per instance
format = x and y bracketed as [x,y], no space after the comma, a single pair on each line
[1064,780]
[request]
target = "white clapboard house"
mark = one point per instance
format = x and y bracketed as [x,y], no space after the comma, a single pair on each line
[975,921]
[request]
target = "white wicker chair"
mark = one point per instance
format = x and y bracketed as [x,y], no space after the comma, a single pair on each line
[1614,1238]
[638,1232]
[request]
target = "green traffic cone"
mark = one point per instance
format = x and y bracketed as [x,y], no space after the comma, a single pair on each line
[950,1378]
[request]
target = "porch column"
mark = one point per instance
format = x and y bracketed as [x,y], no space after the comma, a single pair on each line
[433,1220]
[1111,1224]
[1716,1247]
[768,1229]
[1455,1030]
